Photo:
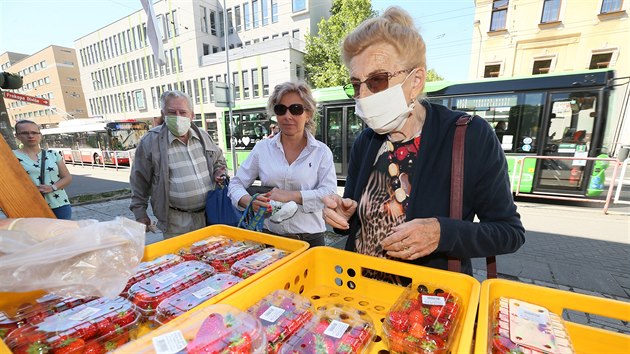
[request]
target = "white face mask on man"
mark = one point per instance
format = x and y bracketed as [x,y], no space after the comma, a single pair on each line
[178,125]
[385,111]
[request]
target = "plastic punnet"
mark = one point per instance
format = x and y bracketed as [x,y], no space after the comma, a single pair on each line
[147,269]
[100,324]
[148,293]
[224,257]
[199,248]
[179,303]
[251,265]
[333,329]
[282,313]
[521,327]
[422,320]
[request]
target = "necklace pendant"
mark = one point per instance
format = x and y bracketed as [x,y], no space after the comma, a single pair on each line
[400,195]
[390,146]
[393,170]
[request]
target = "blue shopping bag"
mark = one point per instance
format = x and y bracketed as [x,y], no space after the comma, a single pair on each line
[219,208]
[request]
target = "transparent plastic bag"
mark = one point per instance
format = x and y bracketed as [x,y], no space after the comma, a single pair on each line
[70,258]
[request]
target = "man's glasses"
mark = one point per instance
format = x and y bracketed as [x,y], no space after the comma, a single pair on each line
[295,109]
[29,133]
[375,83]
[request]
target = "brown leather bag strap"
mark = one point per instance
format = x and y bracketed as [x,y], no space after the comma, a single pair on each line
[457,190]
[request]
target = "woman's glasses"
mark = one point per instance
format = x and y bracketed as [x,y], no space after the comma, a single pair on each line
[295,109]
[375,83]
[29,133]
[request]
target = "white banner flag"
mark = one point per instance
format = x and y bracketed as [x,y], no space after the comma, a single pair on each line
[153,32]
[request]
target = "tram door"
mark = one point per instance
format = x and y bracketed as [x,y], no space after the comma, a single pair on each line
[568,128]
[342,127]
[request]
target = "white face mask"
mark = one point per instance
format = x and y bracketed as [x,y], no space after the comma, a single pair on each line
[178,125]
[385,111]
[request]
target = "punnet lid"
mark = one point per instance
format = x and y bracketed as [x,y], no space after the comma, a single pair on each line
[197,249]
[222,258]
[254,263]
[147,269]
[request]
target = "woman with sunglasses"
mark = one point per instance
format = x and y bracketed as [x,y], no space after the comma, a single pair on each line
[397,193]
[298,168]
[55,173]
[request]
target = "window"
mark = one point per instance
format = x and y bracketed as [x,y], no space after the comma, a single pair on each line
[196,96]
[285,34]
[265,81]
[215,49]
[221,24]
[265,12]
[255,92]
[237,86]
[237,18]
[492,70]
[160,24]
[499,15]
[210,88]
[245,76]
[255,12]
[213,23]
[173,63]
[204,92]
[206,49]
[230,21]
[246,17]
[274,11]
[168,62]
[296,34]
[180,63]
[611,6]
[169,24]
[551,11]
[298,72]
[299,5]
[600,60]
[541,67]
[204,19]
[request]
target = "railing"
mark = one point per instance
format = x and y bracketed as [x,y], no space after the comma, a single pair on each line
[621,183]
[611,186]
[103,156]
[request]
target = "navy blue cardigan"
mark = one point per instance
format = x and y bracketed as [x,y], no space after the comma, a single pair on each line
[487,191]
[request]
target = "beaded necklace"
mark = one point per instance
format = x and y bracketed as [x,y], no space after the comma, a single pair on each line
[401,157]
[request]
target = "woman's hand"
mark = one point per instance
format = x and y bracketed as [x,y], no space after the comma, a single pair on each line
[413,239]
[262,201]
[45,188]
[281,195]
[338,211]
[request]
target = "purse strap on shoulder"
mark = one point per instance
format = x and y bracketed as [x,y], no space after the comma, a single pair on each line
[457,190]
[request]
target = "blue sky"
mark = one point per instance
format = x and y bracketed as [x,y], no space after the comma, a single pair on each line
[27,26]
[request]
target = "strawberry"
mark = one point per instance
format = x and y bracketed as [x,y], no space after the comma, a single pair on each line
[70,345]
[396,339]
[87,331]
[105,327]
[437,341]
[399,320]
[417,330]
[435,311]
[451,308]
[33,348]
[124,318]
[411,304]
[93,347]
[416,316]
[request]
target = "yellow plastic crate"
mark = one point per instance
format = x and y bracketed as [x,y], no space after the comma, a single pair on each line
[328,275]
[585,339]
[11,301]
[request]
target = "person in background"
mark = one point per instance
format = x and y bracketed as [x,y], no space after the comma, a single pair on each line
[299,168]
[56,174]
[273,130]
[175,166]
[397,194]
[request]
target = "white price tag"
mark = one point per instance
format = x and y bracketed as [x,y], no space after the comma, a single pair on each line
[83,314]
[203,293]
[263,257]
[433,300]
[272,314]
[540,318]
[336,329]
[166,278]
[169,343]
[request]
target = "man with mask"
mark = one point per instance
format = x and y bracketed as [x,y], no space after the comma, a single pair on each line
[175,166]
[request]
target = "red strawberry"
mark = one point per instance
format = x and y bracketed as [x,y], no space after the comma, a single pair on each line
[124,318]
[93,347]
[417,330]
[70,345]
[451,308]
[437,341]
[435,311]
[105,326]
[87,331]
[31,348]
[416,316]
[396,339]
[399,320]
[411,304]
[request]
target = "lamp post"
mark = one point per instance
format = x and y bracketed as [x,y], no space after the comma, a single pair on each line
[229,89]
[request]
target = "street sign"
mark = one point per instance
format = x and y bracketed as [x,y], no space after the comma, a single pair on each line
[220,90]
[29,99]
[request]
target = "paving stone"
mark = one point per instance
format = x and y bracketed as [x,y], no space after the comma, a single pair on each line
[585,278]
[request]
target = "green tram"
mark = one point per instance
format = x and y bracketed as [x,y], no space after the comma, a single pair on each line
[564,115]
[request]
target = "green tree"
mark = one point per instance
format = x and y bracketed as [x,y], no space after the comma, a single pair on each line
[432,75]
[322,60]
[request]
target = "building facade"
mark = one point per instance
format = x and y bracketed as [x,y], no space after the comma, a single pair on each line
[52,74]
[524,37]
[265,40]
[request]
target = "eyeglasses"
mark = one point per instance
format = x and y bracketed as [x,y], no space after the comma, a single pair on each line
[29,133]
[375,83]
[295,109]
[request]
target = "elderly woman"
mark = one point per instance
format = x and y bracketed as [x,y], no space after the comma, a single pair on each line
[298,168]
[397,194]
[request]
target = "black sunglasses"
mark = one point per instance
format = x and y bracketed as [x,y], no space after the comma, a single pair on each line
[296,109]
[375,83]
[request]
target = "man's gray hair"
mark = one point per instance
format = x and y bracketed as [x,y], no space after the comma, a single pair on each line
[167,95]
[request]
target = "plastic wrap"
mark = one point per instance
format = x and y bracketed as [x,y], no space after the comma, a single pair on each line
[254,263]
[71,258]
[224,257]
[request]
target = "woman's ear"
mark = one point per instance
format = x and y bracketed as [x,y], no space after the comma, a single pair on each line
[419,79]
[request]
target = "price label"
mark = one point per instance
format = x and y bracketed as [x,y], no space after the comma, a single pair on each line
[272,314]
[336,329]
[433,300]
[84,314]
[169,343]
[204,293]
